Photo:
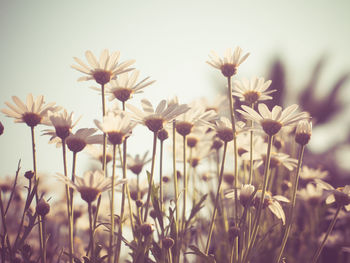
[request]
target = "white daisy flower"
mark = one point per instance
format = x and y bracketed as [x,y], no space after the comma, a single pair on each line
[252,91]
[244,194]
[105,69]
[32,113]
[125,86]
[116,126]
[229,63]
[223,128]
[91,185]
[77,141]
[154,120]
[135,164]
[272,121]
[312,194]
[303,132]
[96,152]
[309,174]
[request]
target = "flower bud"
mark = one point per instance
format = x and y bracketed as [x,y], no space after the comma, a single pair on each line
[29,174]
[146,229]
[168,242]
[303,132]
[42,208]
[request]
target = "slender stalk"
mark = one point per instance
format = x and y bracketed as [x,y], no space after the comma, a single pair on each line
[5,234]
[170,256]
[151,176]
[184,185]
[292,206]
[91,232]
[111,233]
[176,193]
[258,213]
[329,230]
[211,228]
[41,240]
[161,177]
[69,207]
[73,180]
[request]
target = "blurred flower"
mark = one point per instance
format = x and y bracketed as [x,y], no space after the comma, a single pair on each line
[32,113]
[223,128]
[63,124]
[252,91]
[125,86]
[312,194]
[91,185]
[245,194]
[116,126]
[340,195]
[309,174]
[96,152]
[1,128]
[135,164]
[272,121]
[77,142]
[105,69]
[154,120]
[229,64]
[272,202]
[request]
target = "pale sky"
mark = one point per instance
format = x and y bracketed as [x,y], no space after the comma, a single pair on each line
[170,41]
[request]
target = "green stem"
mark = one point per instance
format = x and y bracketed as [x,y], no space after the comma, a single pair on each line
[176,193]
[69,207]
[216,200]
[184,185]
[292,206]
[5,234]
[41,240]
[161,177]
[123,161]
[329,230]
[258,213]
[150,183]
[91,232]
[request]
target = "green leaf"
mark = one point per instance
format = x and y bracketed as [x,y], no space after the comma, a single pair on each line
[206,258]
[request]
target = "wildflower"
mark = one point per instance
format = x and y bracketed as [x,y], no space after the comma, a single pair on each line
[229,64]
[278,159]
[163,135]
[96,152]
[196,115]
[42,208]
[245,194]
[146,229]
[32,113]
[200,152]
[125,86]
[303,132]
[272,121]
[272,202]
[155,119]
[116,126]
[135,164]
[77,142]
[340,195]
[168,242]
[91,185]
[223,129]
[105,69]
[219,104]
[252,91]
[312,194]
[309,174]
[63,124]
[29,174]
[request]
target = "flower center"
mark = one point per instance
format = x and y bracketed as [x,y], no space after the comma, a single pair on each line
[122,94]
[271,127]
[154,124]
[163,134]
[225,134]
[217,144]
[251,97]
[192,142]
[102,77]
[89,194]
[184,128]
[136,169]
[75,144]
[31,119]
[194,162]
[116,138]
[62,131]
[228,70]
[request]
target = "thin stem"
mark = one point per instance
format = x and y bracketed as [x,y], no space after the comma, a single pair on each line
[161,177]
[5,234]
[69,208]
[150,182]
[111,233]
[211,228]
[176,192]
[258,213]
[91,232]
[73,180]
[184,185]
[41,240]
[292,206]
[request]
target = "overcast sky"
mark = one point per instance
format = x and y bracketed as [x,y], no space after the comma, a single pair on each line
[170,41]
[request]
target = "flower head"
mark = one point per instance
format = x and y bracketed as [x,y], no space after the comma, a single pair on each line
[91,185]
[309,174]
[272,121]
[155,119]
[32,113]
[135,164]
[116,126]
[125,86]
[105,69]
[96,152]
[252,91]
[76,142]
[229,64]
[303,132]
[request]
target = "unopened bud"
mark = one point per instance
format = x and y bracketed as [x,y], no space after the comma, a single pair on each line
[42,208]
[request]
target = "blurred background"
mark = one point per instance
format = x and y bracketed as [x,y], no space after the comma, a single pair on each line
[301,45]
